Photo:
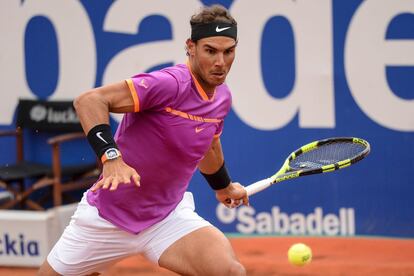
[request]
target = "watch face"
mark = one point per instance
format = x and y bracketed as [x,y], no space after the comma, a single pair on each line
[112,153]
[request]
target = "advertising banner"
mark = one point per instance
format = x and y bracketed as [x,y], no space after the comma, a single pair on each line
[304,70]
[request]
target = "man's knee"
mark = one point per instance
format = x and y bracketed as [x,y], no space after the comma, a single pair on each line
[235,269]
[46,270]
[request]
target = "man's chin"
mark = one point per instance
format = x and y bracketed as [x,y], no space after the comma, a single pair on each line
[218,82]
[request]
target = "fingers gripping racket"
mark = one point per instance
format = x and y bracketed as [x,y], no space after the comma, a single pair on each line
[317,157]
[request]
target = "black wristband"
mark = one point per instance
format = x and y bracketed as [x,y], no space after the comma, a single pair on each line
[218,180]
[100,138]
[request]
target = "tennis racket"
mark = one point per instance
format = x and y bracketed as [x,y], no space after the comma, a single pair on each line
[317,157]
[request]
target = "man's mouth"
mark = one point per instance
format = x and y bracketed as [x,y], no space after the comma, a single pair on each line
[218,74]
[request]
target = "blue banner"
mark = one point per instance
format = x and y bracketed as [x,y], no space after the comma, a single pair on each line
[305,70]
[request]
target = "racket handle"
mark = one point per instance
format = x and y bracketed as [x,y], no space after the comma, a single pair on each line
[254,188]
[258,186]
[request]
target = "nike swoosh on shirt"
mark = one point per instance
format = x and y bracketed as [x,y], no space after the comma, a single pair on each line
[198,129]
[218,29]
[143,83]
[98,134]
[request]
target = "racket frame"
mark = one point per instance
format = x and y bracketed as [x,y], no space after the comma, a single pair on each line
[286,172]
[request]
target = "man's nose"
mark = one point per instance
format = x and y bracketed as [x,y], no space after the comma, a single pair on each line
[220,59]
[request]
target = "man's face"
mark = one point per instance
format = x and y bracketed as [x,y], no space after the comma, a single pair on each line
[211,59]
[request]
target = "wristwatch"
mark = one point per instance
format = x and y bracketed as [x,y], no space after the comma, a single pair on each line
[110,154]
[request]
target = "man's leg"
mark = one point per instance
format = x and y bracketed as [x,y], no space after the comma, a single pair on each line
[205,251]
[88,245]
[46,270]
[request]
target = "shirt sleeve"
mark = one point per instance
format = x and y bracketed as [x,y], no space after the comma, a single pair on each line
[153,90]
[219,129]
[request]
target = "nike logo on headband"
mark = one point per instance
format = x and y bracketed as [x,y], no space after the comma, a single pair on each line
[219,30]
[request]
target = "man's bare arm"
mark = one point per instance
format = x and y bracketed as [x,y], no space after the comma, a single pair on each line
[93,109]
[210,164]
[213,159]
[93,106]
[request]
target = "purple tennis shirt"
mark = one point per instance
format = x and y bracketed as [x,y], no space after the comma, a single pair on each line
[170,131]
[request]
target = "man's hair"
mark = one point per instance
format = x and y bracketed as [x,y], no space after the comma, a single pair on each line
[213,13]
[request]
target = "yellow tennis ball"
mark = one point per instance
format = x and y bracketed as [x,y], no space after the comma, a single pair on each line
[300,254]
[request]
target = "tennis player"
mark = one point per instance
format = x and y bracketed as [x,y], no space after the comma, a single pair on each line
[172,125]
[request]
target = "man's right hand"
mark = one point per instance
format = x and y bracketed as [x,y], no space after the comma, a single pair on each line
[116,172]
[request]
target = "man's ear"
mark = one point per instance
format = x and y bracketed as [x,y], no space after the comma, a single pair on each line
[190,45]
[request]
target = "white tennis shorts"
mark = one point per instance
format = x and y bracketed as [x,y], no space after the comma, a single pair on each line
[92,244]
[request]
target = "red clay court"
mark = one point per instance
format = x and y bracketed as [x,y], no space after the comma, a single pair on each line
[268,256]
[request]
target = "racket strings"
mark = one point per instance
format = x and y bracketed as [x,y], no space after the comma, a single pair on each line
[326,154]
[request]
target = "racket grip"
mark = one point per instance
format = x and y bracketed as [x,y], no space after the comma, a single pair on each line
[258,186]
[254,188]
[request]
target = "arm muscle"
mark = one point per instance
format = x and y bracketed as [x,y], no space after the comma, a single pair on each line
[213,159]
[93,106]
